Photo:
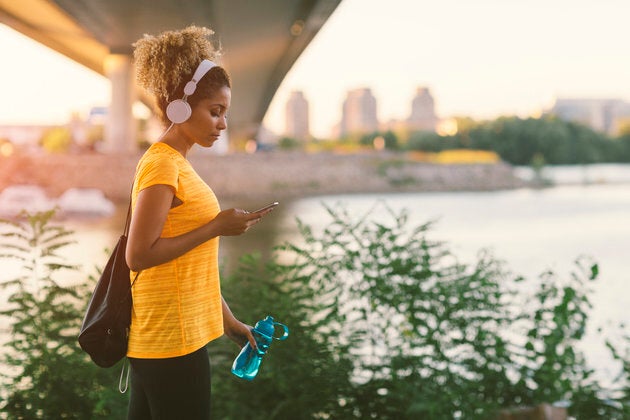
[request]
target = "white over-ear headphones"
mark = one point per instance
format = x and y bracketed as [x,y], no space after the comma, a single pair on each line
[179,110]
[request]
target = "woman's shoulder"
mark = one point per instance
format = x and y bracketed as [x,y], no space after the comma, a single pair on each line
[158,155]
[162,150]
[158,152]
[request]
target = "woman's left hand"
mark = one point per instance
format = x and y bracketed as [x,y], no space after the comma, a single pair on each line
[235,330]
[239,332]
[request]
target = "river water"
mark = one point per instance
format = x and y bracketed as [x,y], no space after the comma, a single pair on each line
[532,230]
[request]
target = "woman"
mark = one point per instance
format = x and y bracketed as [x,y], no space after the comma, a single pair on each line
[174,233]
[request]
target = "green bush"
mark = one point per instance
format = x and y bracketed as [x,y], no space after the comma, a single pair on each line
[45,373]
[518,141]
[386,323]
[289,143]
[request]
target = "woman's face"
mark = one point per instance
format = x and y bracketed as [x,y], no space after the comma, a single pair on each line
[208,119]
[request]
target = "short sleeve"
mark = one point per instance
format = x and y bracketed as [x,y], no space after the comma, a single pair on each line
[157,168]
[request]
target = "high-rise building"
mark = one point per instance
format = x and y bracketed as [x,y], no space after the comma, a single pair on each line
[359,112]
[605,115]
[297,118]
[422,116]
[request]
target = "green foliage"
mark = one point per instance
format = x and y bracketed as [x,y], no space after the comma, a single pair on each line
[279,391]
[621,353]
[429,142]
[45,373]
[289,143]
[552,366]
[389,137]
[519,141]
[386,323]
[621,148]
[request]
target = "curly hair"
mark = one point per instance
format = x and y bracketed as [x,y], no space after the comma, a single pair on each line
[166,62]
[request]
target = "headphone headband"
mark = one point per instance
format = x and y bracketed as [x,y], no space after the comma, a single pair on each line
[178,111]
[203,68]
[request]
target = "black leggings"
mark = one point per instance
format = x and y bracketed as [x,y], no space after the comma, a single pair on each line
[170,389]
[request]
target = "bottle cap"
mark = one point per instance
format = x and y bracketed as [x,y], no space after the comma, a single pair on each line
[265,327]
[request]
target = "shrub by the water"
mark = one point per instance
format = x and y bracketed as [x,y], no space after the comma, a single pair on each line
[385,323]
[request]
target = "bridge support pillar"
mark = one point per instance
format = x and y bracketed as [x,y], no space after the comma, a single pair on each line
[120,126]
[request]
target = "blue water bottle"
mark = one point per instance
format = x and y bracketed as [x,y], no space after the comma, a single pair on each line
[248,361]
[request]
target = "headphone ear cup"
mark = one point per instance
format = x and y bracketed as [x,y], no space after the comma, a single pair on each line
[178,111]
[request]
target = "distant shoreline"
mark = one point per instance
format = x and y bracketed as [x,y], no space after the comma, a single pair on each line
[258,176]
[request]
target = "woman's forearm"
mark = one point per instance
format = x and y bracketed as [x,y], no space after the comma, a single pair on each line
[147,248]
[166,249]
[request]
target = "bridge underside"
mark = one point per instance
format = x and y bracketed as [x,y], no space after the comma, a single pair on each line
[261,41]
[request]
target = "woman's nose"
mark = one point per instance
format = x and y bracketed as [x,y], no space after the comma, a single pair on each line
[223,123]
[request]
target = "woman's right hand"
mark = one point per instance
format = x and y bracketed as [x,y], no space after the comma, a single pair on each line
[234,222]
[147,248]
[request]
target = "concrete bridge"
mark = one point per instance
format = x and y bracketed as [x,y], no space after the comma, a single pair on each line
[261,41]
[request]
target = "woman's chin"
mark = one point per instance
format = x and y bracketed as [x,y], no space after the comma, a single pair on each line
[209,142]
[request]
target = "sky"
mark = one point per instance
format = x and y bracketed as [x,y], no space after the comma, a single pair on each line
[479,58]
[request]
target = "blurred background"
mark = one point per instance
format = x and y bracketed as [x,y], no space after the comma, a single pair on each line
[505,122]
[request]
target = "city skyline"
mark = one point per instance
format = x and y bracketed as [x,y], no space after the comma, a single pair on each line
[297,117]
[480,59]
[359,115]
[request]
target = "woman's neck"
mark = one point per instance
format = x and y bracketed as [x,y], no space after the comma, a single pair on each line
[177,142]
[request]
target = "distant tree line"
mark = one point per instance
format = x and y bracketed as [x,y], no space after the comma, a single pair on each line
[529,141]
[523,141]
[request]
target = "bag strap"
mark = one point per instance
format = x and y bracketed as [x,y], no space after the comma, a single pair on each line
[126,231]
[122,386]
[134,279]
[128,222]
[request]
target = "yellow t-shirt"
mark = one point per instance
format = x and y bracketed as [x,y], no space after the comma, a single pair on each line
[177,305]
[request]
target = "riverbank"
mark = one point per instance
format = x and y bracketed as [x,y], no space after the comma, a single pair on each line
[263,175]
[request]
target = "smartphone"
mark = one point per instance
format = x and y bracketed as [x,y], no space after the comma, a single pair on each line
[268,206]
